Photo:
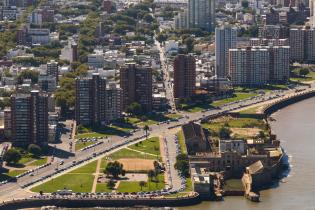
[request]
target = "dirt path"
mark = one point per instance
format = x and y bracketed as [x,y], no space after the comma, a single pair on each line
[98,166]
[141,152]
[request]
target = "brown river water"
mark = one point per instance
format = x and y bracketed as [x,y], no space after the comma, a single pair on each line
[295,127]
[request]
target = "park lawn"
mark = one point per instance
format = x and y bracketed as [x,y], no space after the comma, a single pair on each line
[91,135]
[89,168]
[39,162]
[246,123]
[13,173]
[26,159]
[102,187]
[237,97]
[74,182]
[173,116]
[192,108]
[137,121]
[121,128]
[80,145]
[147,122]
[189,187]
[103,163]
[126,186]
[126,153]
[151,146]
[242,122]
[133,120]
[309,77]
[181,141]
[251,110]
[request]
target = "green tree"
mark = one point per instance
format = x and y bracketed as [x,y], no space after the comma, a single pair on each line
[245,4]
[34,149]
[142,184]
[134,109]
[151,174]
[189,42]
[225,132]
[5,102]
[111,184]
[146,129]
[182,164]
[115,169]
[303,72]
[28,74]
[12,156]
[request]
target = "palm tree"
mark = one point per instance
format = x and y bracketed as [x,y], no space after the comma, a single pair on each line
[151,174]
[142,184]
[146,129]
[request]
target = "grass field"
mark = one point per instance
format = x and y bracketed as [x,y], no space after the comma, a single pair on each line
[91,135]
[102,187]
[181,142]
[74,182]
[13,173]
[251,110]
[81,179]
[238,126]
[126,153]
[102,131]
[78,180]
[237,97]
[80,145]
[126,186]
[86,169]
[151,146]
[39,162]
[309,77]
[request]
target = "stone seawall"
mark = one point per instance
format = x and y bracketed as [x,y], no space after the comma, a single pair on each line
[89,203]
[279,104]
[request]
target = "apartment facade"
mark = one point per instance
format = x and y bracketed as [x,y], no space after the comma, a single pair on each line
[90,100]
[249,66]
[225,39]
[302,43]
[136,83]
[184,76]
[29,118]
[201,14]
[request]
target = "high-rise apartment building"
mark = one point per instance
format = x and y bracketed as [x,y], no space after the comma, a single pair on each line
[52,69]
[136,83]
[297,44]
[29,118]
[259,65]
[113,102]
[201,14]
[74,52]
[312,12]
[279,57]
[279,64]
[90,100]
[273,32]
[302,43]
[249,66]
[184,76]
[225,39]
